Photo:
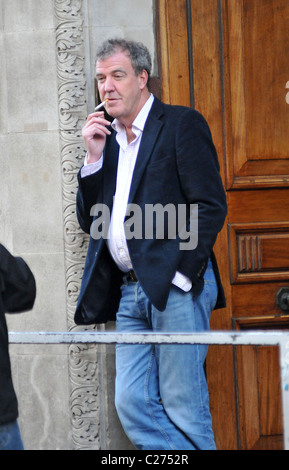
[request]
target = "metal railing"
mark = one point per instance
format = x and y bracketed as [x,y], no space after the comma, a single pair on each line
[256,338]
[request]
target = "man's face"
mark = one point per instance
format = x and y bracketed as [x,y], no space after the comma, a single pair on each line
[118,82]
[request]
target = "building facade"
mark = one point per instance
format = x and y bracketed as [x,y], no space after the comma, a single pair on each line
[208,54]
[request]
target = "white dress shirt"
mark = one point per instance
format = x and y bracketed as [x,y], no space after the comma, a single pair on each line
[128,152]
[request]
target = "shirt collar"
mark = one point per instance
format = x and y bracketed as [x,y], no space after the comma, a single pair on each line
[140,120]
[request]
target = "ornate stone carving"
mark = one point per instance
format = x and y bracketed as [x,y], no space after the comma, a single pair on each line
[85,397]
[83,364]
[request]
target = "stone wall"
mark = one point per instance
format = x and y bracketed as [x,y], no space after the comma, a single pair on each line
[46,91]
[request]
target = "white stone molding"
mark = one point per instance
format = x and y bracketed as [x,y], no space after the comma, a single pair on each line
[83,363]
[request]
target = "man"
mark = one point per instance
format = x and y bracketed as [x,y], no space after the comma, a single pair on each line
[152,156]
[17,294]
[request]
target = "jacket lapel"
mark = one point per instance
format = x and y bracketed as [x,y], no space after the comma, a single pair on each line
[149,137]
[110,170]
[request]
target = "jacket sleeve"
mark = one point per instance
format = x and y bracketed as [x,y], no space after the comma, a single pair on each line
[17,283]
[86,198]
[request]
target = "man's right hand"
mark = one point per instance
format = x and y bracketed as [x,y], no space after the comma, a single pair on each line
[94,134]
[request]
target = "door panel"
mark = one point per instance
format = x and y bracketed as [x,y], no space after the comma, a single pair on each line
[259,389]
[172,37]
[256,72]
[229,59]
[258,252]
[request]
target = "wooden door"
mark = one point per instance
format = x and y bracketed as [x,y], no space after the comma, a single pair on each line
[229,59]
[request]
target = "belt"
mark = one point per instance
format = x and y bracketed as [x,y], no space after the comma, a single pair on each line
[132,276]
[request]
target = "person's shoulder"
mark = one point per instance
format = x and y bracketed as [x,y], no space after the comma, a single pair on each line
[181,111]
[5,256]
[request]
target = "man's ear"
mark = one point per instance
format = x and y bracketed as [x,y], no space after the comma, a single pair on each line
[143,79]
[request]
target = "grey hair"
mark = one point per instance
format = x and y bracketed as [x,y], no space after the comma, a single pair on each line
[139,54]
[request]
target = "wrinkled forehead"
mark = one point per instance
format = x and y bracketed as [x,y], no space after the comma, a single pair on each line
[120,60]
[115,55]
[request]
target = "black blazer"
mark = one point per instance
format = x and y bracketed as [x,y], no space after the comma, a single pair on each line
[176,164]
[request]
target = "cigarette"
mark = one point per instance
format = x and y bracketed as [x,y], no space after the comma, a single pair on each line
[101,104]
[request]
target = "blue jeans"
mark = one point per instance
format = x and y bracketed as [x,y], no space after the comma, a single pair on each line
[161,391]
[10,438]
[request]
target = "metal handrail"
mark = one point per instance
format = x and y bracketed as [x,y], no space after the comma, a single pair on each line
[260,338]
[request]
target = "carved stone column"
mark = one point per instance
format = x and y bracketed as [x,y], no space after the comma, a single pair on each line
[83,360]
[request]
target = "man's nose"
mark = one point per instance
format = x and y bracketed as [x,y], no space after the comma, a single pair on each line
[108,85]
